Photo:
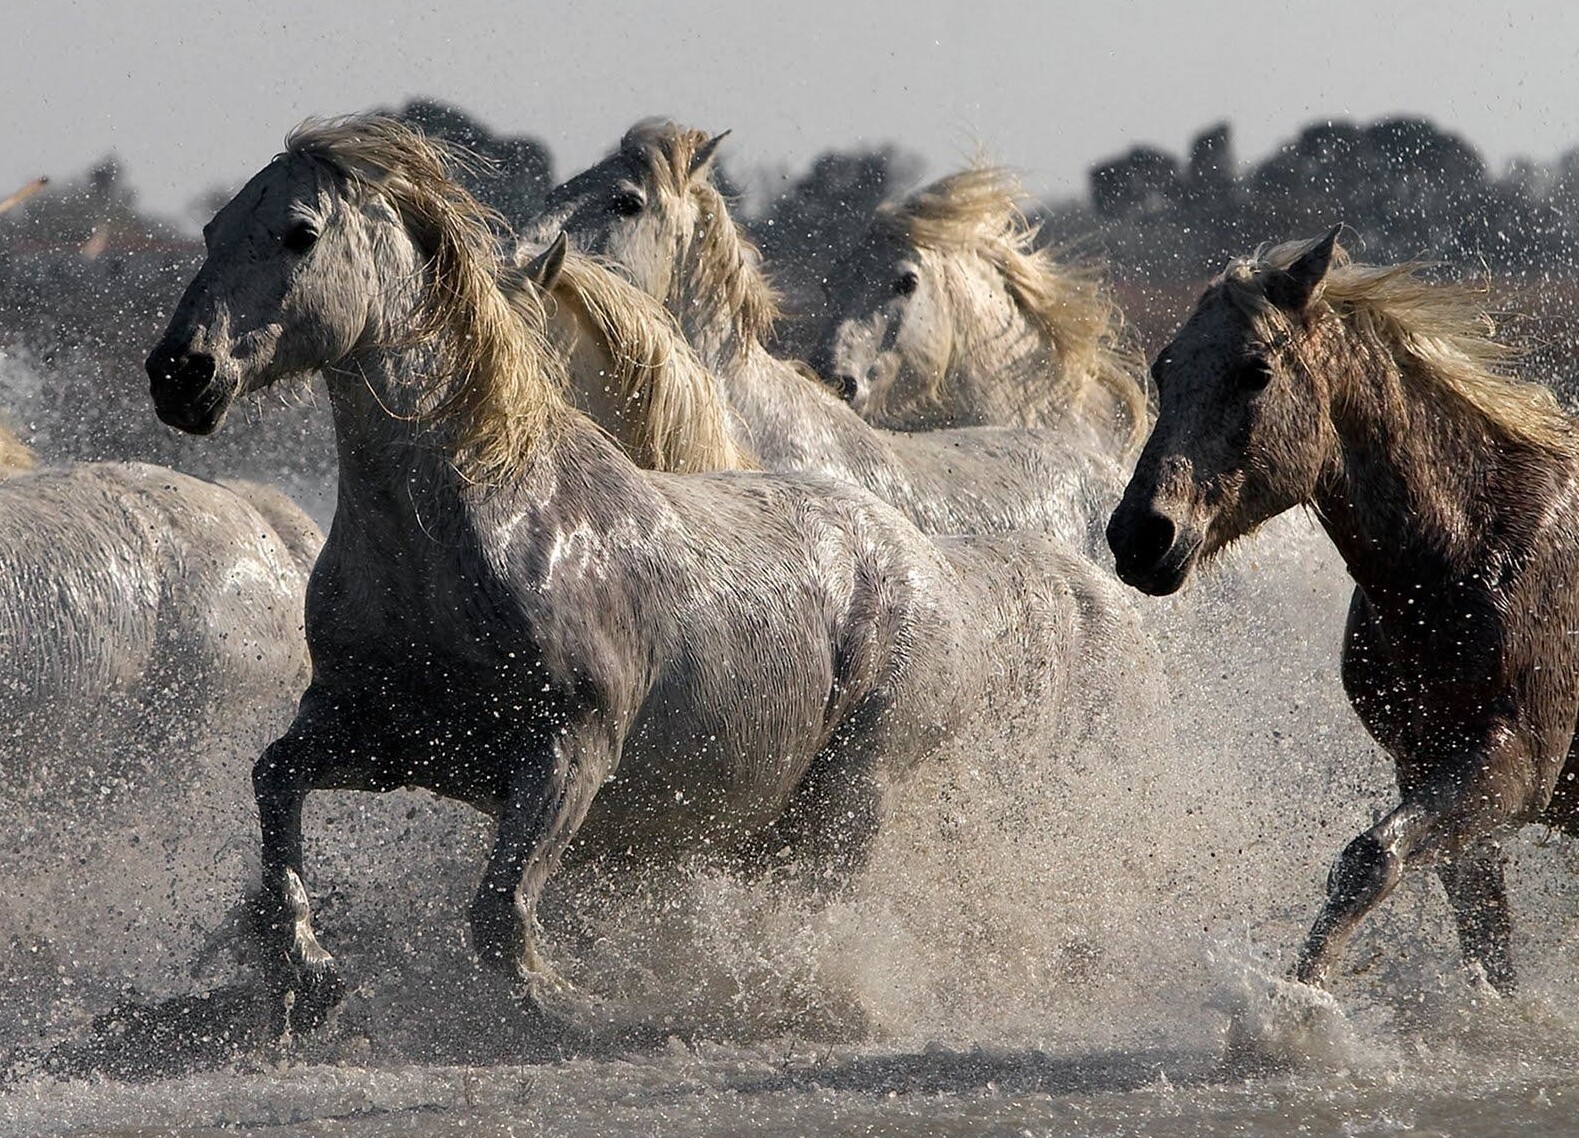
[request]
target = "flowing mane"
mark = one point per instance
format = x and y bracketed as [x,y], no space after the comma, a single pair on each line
[720,269]
[16,457]
[508,385]
[1442,329]
[978,210]
[677,414]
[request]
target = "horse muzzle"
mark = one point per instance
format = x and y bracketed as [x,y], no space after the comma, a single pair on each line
[1151,551]
[186,392]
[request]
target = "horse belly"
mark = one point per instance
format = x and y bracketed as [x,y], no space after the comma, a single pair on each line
[708,779]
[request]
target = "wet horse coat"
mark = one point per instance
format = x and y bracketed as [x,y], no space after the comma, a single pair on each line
[138,599]
[1452,494]
[510,613]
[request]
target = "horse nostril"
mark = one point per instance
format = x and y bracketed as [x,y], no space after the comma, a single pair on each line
[847,386]
[1155,534]
[190,372]
[1141,541]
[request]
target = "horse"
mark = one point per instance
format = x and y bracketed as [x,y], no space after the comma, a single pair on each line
[946,313]
[139,600]
[613,663]
[652,208]
[1379,400]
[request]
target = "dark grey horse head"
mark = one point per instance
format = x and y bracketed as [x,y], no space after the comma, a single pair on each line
[290,244]
[1244,427]
[878,294]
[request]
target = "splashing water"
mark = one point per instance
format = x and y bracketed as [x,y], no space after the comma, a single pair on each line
[1090,942]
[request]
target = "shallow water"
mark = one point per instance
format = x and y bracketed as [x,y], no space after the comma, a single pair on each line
[1102,956]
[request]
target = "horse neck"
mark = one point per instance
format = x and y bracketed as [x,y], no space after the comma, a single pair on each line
[594,382]
[402,493]
[1415,494]
[390,454]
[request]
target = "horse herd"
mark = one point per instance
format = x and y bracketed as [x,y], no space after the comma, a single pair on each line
[605,567]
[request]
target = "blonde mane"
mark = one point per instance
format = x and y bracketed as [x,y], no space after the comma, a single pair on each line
[1441,331]
[678,418]
[979,211]
[506,384]
[16,457]
[719,279]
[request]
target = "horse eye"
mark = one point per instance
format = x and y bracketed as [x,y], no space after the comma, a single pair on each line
[300,237]
[907,283]
[1253,375]
[627,203]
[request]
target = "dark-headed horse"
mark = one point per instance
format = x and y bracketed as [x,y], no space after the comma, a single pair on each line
[1376,399]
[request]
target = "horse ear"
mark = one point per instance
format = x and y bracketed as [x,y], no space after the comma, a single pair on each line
[704,153]
[1293,289]
[543,269]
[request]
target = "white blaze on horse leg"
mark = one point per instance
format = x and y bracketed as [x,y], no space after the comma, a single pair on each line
[305,951]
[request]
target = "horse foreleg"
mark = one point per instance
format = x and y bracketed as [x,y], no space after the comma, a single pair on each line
[1474,884]
[294,961]
[548,799]
[1458,805]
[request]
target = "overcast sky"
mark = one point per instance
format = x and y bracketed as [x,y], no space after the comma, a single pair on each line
[190,96]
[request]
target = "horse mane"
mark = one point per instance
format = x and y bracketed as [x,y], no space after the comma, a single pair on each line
[980,210]
[507,385]
[679,419]
[16,457]
[1441,328]
[721,270]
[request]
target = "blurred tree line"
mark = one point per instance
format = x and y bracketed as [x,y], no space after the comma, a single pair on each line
[1404,187]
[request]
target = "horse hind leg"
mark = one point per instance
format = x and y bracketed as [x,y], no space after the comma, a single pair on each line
[828,828]
[1475,888]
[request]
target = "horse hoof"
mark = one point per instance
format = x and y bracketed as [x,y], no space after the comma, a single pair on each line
[314,993]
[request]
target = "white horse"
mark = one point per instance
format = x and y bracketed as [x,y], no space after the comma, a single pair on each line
[652,208]
[946,313]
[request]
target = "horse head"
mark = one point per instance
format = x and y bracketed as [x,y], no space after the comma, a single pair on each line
[636,207]
[888,342]
[1244,430]
[284,290]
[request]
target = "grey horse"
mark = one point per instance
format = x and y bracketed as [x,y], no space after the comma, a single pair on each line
[508,612]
